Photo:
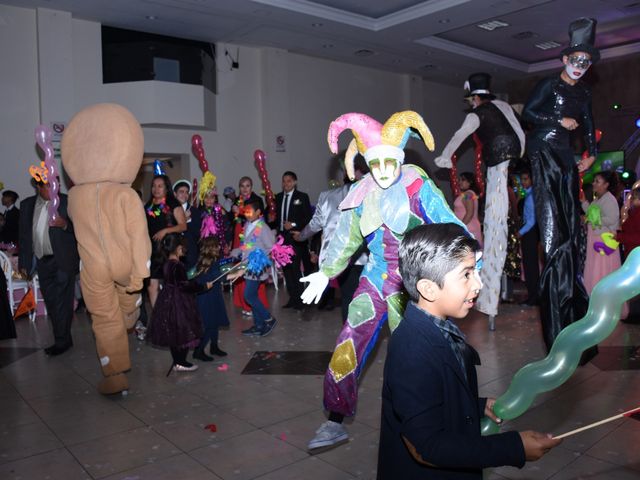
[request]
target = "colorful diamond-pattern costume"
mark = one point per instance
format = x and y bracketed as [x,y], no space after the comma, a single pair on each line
[380,217]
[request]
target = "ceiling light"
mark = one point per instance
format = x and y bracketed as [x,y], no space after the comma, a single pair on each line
[525,35]
[547,45]
[151,17]
[316,25]
[428,66]
[444,21]
[364,52]
[328,45]
[492,25]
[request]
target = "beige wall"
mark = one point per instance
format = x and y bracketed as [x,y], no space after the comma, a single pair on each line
[273,93]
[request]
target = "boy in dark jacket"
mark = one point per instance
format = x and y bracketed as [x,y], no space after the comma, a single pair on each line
[430,407]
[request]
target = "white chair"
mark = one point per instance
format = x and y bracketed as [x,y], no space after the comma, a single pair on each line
[15,284]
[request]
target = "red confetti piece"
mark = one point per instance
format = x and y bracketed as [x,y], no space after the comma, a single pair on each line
[211,427]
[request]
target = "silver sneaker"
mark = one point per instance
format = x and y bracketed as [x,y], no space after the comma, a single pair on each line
[329,433]
[141,330]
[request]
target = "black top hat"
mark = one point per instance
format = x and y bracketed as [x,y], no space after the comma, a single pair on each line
[583,34]
[478,84]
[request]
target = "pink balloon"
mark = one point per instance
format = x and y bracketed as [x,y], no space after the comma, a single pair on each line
[44,137]
[259,156]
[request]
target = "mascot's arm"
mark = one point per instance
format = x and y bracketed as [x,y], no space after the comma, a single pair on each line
[140,243]
[346,241]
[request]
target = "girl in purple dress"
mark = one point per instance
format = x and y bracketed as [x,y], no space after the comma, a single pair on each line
[175,322]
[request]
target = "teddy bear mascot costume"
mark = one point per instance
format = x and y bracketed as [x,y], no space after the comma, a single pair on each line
[102,150]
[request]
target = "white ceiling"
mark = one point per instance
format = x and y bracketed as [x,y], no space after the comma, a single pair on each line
[436,39]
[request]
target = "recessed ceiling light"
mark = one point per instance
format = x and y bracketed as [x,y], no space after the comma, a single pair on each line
[492,25]
[444,20]
[428,66]
[525,35]
[317,25]
[547,45]
[328,45]
[151,17]
[364,52]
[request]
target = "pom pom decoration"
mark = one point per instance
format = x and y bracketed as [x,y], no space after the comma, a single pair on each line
[608,245]
[260,159]
[208,228]
[594,216]
[281,253]
[44,139]
[207,184]
[257,261]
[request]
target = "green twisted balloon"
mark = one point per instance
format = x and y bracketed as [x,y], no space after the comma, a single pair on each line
[605,307]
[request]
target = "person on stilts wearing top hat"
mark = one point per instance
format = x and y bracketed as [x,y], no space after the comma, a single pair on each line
[556,107]
[502,140]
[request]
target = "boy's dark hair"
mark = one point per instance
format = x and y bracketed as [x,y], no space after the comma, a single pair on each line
[289,173]
[635,193]
[10,193]
[431,251]
[255,203]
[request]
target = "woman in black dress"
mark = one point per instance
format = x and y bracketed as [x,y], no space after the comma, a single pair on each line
[164,215]
[557,106]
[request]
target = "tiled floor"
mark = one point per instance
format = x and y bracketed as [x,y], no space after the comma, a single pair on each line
[217,424]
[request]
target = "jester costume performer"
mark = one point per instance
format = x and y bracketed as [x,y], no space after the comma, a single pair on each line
[555,108]
[379,209]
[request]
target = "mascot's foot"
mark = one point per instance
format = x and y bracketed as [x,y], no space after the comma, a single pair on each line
[114,384]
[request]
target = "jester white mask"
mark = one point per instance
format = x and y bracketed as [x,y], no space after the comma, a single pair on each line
[381,145]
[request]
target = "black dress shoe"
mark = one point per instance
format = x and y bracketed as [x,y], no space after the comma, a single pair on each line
[215,350]
[288,305]
[299,307]
[54,350]
[199,354]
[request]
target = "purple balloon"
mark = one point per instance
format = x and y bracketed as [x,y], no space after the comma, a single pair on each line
[44,137]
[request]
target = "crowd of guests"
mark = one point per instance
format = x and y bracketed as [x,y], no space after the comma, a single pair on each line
[601,208]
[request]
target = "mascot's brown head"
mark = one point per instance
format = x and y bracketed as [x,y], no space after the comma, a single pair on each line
[102,143]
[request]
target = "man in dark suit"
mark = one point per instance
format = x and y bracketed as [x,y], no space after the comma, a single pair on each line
[51,250]
[11,217]
[293,212]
